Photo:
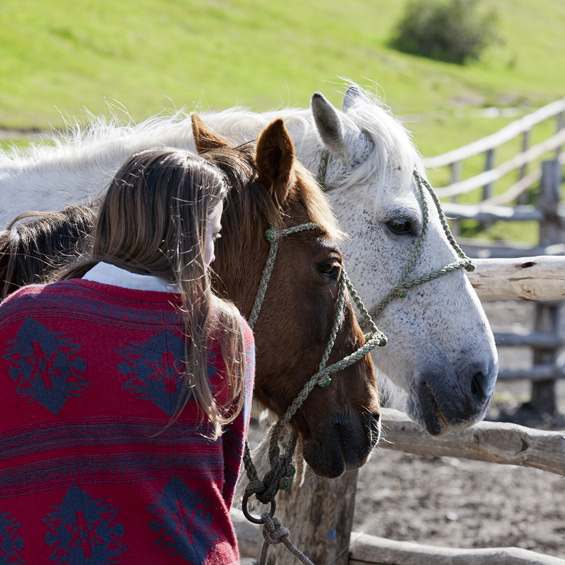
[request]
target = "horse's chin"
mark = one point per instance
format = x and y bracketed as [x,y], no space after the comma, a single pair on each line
[324,462]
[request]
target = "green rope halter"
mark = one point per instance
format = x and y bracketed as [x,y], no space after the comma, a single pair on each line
[402,288]
[281,468]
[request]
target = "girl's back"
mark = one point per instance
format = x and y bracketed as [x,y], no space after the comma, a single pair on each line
[90,471]
[126,388]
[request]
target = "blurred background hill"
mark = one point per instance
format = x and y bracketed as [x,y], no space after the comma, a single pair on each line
[60,57]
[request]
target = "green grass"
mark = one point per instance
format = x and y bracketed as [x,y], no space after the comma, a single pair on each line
[61,56]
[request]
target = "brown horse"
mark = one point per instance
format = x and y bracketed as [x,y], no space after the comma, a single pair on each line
[271,189]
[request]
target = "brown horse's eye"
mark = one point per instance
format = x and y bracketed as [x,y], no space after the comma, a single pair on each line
[400,226]
[330,270]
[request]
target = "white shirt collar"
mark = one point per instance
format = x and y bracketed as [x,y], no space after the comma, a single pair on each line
[110,274]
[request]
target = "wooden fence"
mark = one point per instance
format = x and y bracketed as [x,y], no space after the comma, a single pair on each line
[321,507]
[546,339]
[500,443]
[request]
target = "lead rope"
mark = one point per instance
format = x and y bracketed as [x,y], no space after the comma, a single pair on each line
[281,464]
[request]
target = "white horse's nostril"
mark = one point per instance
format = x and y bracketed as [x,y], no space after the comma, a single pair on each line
[479,386]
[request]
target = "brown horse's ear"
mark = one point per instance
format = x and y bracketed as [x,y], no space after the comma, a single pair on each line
[275,160]
[204,138]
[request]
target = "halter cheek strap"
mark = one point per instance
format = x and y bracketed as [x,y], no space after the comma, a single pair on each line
[323,169]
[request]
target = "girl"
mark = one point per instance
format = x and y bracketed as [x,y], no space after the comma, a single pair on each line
[126,385]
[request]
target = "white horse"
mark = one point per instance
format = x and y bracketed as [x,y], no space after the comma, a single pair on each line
[441,360]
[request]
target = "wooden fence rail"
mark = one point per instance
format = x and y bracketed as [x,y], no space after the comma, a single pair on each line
[507,444]
[365,549]
[527,278]
[488,146]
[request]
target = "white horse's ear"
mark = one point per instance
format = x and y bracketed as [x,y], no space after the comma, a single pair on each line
[338,132]
[330,125]
[353,95]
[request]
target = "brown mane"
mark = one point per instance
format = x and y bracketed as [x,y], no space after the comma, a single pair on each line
[249,202]
[37,243]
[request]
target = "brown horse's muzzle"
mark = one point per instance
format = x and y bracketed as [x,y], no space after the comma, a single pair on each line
[346,444]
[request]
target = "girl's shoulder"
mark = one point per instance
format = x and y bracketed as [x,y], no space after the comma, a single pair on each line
[34,297]
[248,336]
[220,310]
[28,295]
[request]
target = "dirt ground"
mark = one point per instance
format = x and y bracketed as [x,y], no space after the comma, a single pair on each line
[469,504]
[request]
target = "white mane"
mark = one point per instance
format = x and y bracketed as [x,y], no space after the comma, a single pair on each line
[78,163]
[393,144]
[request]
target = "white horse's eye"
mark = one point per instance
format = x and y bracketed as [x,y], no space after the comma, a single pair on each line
[400,226]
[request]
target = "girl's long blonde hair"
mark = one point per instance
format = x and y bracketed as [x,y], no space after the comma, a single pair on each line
[153,221]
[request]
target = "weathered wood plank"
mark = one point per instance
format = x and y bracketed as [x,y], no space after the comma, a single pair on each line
[542,372]
[526,278]
[367,549]
[539,340]
[486,249]
[507,444]
[521,213]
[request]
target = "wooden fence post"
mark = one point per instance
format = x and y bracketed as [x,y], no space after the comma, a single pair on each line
[488,188]
[489,165]
[523,198]
[456,169]
[547,315]
[319,515]
[560,126]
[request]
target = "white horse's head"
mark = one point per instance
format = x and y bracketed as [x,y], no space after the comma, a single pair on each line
[441,356]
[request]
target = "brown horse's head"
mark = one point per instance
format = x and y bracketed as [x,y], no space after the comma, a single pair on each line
[270,188]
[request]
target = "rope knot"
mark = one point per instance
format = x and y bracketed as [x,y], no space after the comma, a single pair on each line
[272,235]
[324,380]
[273,531]
[255,487]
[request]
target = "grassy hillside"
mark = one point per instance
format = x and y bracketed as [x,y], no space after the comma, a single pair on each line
[61,56]
[58,57]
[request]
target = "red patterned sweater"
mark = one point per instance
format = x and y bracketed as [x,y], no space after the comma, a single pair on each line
[89,377]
